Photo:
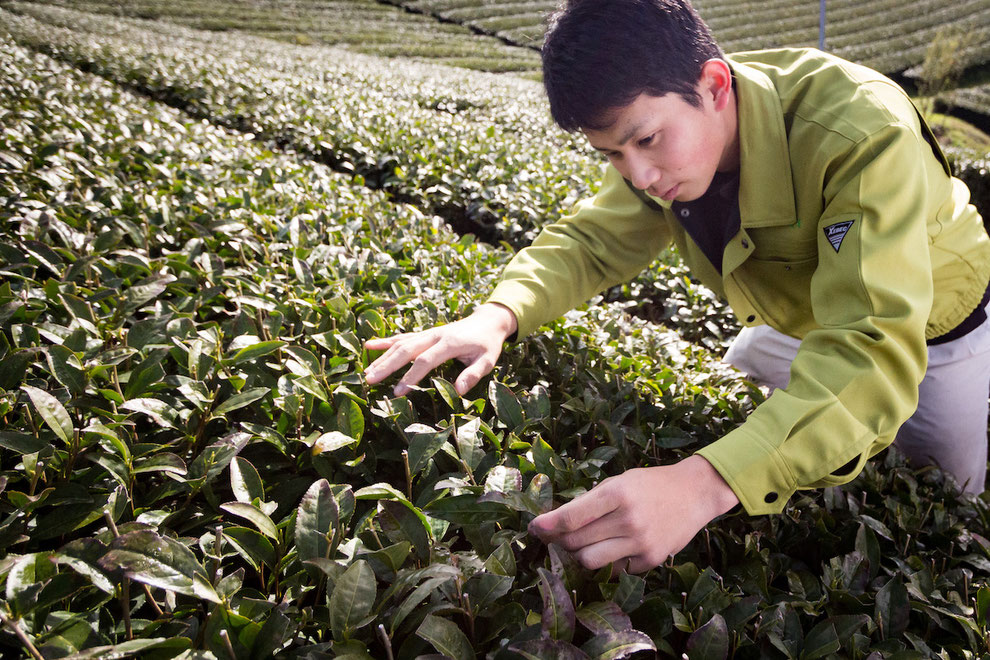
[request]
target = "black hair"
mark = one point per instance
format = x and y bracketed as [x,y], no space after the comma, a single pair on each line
[601,54]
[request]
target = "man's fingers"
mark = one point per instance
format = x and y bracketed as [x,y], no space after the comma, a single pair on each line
[383,343]
[605,552]
[401,352]
[423,363]
[474,372]
[608,526]
[574,515]
[640,564]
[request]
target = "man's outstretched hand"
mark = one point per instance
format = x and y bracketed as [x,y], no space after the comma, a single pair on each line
[639,518]
[475,340]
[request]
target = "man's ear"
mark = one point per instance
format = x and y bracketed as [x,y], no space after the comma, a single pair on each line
[716,81]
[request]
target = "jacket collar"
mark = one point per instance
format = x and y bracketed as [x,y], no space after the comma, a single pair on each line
[766,188]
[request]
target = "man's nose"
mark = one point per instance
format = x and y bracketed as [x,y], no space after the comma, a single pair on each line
[643,174]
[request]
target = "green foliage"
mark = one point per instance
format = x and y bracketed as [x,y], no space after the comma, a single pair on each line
[393,130]
[364,26]
[946,58]
[888,35]
[192,465]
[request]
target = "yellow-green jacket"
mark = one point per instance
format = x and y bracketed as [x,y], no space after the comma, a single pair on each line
[823,143]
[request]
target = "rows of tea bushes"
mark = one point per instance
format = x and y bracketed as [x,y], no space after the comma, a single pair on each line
[889,35]
[191,461]
[364,26]
[520,23]
[190,458]
[480,151]
[975,100]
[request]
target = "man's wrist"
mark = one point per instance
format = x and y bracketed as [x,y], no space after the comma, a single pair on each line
[501,317]
[716,489]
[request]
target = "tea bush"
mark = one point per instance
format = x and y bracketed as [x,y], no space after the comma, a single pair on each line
[189,450]
[448,142]
[363,26]
[191,464]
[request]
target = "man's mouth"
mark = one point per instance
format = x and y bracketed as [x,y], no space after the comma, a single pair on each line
[670,193]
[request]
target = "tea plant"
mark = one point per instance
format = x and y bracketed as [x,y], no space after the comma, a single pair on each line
[191,464]
[393,129]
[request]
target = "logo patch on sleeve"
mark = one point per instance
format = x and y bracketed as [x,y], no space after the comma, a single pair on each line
[835,233]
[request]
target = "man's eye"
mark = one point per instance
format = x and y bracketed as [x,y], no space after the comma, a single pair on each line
[647,140]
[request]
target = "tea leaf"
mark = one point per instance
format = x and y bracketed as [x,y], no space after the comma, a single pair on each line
[558,609]
[467,510]
[96,577]
[982,606]
[447,393]
[424,443]
[352,599]
[253,546]
[540,649]
[134,647]
[66,368]
[160,462]
[629,594]
[502,561]
[822,640]
[254,515]
[404,522]
[52,412]
[436,575]
[710,641]
[893,608]
[379,491]
[614,644]
[271,638]
[603,617]
[350,419]
[507,406]
[317,522]
[159,561]
[332,441]
[469,446]
[144,292]
[540,489]
[503,479]
[240,400]
[26,579]
[446,638]
[22,443]
[159,411]
[253,352]
[245,482]
[484,589]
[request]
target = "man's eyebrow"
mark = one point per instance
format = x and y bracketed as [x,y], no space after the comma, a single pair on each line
[630,134]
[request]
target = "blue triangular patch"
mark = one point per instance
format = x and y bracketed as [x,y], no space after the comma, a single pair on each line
[835,233]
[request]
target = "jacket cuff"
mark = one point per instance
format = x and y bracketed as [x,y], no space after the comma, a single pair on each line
[520,300]
[756,472]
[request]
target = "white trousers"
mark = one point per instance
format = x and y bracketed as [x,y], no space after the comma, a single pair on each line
[949,428]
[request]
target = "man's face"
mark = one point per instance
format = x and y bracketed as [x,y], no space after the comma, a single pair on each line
[667,147]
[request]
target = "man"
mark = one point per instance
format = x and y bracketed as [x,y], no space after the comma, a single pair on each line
[809,193]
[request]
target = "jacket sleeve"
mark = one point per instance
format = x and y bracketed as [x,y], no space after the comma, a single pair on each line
[855,378]
[608,239]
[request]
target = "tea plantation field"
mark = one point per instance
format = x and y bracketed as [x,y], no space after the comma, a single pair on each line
[890,35]
[365,26]
[198,230]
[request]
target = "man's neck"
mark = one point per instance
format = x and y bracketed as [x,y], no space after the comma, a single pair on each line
[730,157]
